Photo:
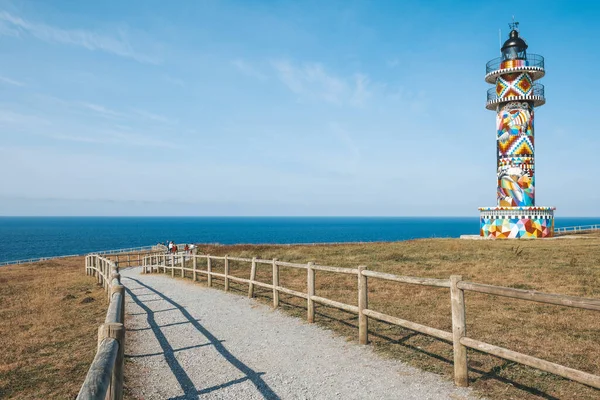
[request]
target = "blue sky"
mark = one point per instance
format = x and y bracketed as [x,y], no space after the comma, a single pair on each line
[283,107]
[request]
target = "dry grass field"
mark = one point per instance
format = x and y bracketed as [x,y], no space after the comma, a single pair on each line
[50,312]
[563,335]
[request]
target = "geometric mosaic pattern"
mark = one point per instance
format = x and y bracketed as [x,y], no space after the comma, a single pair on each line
[517,84]
[523,145]
[514,119]
[515,188]
[516,228]
[516,145]
[526,163]
[515,153]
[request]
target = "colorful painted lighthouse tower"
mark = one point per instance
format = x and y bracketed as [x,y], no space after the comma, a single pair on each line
[514,97]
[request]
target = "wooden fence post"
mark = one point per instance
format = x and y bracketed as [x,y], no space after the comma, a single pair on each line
[128,260]
[105,272]
[172,265]
[252,278]
[275,283]
[117,332]
[209,271]
[182,265]
[117,259]
[459,330]
[194,276]
[363,298]
[138,258]
[226,272]
[101,272]
[310,289]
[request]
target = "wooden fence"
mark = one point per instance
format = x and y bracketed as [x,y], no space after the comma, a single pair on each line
[104,379]
[458,337]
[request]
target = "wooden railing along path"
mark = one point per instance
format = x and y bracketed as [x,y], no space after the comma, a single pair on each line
[458,337]
[104,379]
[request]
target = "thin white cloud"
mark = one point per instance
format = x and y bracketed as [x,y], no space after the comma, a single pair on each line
[361,90]
[101,110]
[11,25]
[111,114]
[155,117]
[113,137]
[13,119]
[9,81]
[247,69]
[312,80]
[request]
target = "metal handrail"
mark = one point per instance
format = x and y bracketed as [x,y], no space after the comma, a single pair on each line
[532,60]
[131,249]
[103,252]
[32,260]
[538,91]
[577,228]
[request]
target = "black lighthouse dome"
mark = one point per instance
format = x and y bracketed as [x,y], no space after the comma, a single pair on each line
[514,57]
[514,48]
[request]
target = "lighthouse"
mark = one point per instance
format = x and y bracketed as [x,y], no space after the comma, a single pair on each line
[514,97]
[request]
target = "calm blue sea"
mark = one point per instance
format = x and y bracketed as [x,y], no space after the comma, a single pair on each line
[30,237]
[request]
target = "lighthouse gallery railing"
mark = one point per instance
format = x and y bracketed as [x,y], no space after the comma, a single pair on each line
[532,60]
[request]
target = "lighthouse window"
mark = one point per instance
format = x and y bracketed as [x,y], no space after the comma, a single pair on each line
[512,53]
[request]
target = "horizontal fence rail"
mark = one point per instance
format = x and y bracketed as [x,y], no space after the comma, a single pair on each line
[574,229]
[203,265]
[146,249]
[38,259]
[104,379]
[132,249]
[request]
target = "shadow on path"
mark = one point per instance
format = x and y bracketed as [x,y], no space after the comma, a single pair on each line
[182,377]
[352,322]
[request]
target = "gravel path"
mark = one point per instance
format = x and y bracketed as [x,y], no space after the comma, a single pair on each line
[186,341]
